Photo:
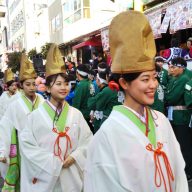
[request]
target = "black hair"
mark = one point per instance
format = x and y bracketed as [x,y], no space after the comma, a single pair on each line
[103,75]
[71,77]
[21,82]
[52,78]
[100,55]
[179,60]
[73,63]
[159,59]
[103,65]
[174,42]
[128,77]
[9,83]
[85,68]
[1,75]
[93,72]
[95,53]
[157,68]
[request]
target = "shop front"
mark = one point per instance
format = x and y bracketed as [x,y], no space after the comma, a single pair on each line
[171,19]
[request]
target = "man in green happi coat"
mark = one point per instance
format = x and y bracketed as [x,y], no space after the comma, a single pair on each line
[102,104]
[163,76]
[178,114]
[83,91]
[188,73]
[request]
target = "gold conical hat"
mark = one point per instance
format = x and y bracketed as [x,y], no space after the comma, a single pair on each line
[132,44]
[8,76]
[54,61]
[27,70]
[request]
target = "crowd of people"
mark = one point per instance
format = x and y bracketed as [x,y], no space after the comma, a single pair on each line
[100,128]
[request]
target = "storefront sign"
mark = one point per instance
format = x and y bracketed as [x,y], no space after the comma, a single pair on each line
[105,39]
[178,16]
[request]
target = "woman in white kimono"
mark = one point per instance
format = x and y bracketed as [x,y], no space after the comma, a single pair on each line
[55,138]
[135,149]
[12,123]
[6,96]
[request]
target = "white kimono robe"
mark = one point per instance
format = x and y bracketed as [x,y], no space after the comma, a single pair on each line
[118,161]
[4,101]
[14,117]
[37,145]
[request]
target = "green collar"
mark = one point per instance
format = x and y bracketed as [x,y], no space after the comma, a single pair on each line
[31,106]
[129,114]
[61,121]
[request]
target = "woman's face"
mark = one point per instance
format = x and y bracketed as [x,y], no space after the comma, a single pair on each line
[29,87]
[13,88]
[59,89]
[142,89]
[189,44]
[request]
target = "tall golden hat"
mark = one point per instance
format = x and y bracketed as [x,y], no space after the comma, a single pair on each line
[132,44]
[8,75]
[27,70]
[54,63]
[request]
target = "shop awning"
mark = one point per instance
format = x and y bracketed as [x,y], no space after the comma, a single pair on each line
[88,43]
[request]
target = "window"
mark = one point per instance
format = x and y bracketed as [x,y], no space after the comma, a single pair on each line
[66,9]
[17,23]
[86,3]
[53,29]
[56,23]
[86,12]
[72,11]
[77,15]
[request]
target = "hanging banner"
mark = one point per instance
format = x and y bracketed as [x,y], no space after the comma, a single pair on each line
[155,22]
[188,13]
[178,20]
[178,16]
[105,39]
[166,21]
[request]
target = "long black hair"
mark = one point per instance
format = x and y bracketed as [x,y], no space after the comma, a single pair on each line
[9,83]
[53,78]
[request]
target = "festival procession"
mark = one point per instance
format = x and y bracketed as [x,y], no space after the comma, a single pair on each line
[96,96]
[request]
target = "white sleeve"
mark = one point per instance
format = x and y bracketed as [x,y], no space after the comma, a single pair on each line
[84,138]
[39,158]
[101,173]
[6,127]
[179,163]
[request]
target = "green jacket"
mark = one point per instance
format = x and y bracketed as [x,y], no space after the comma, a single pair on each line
[83,91]
[103,101]
[163,78]
[188,73]
[159,100]
[174,96]
[188,94]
